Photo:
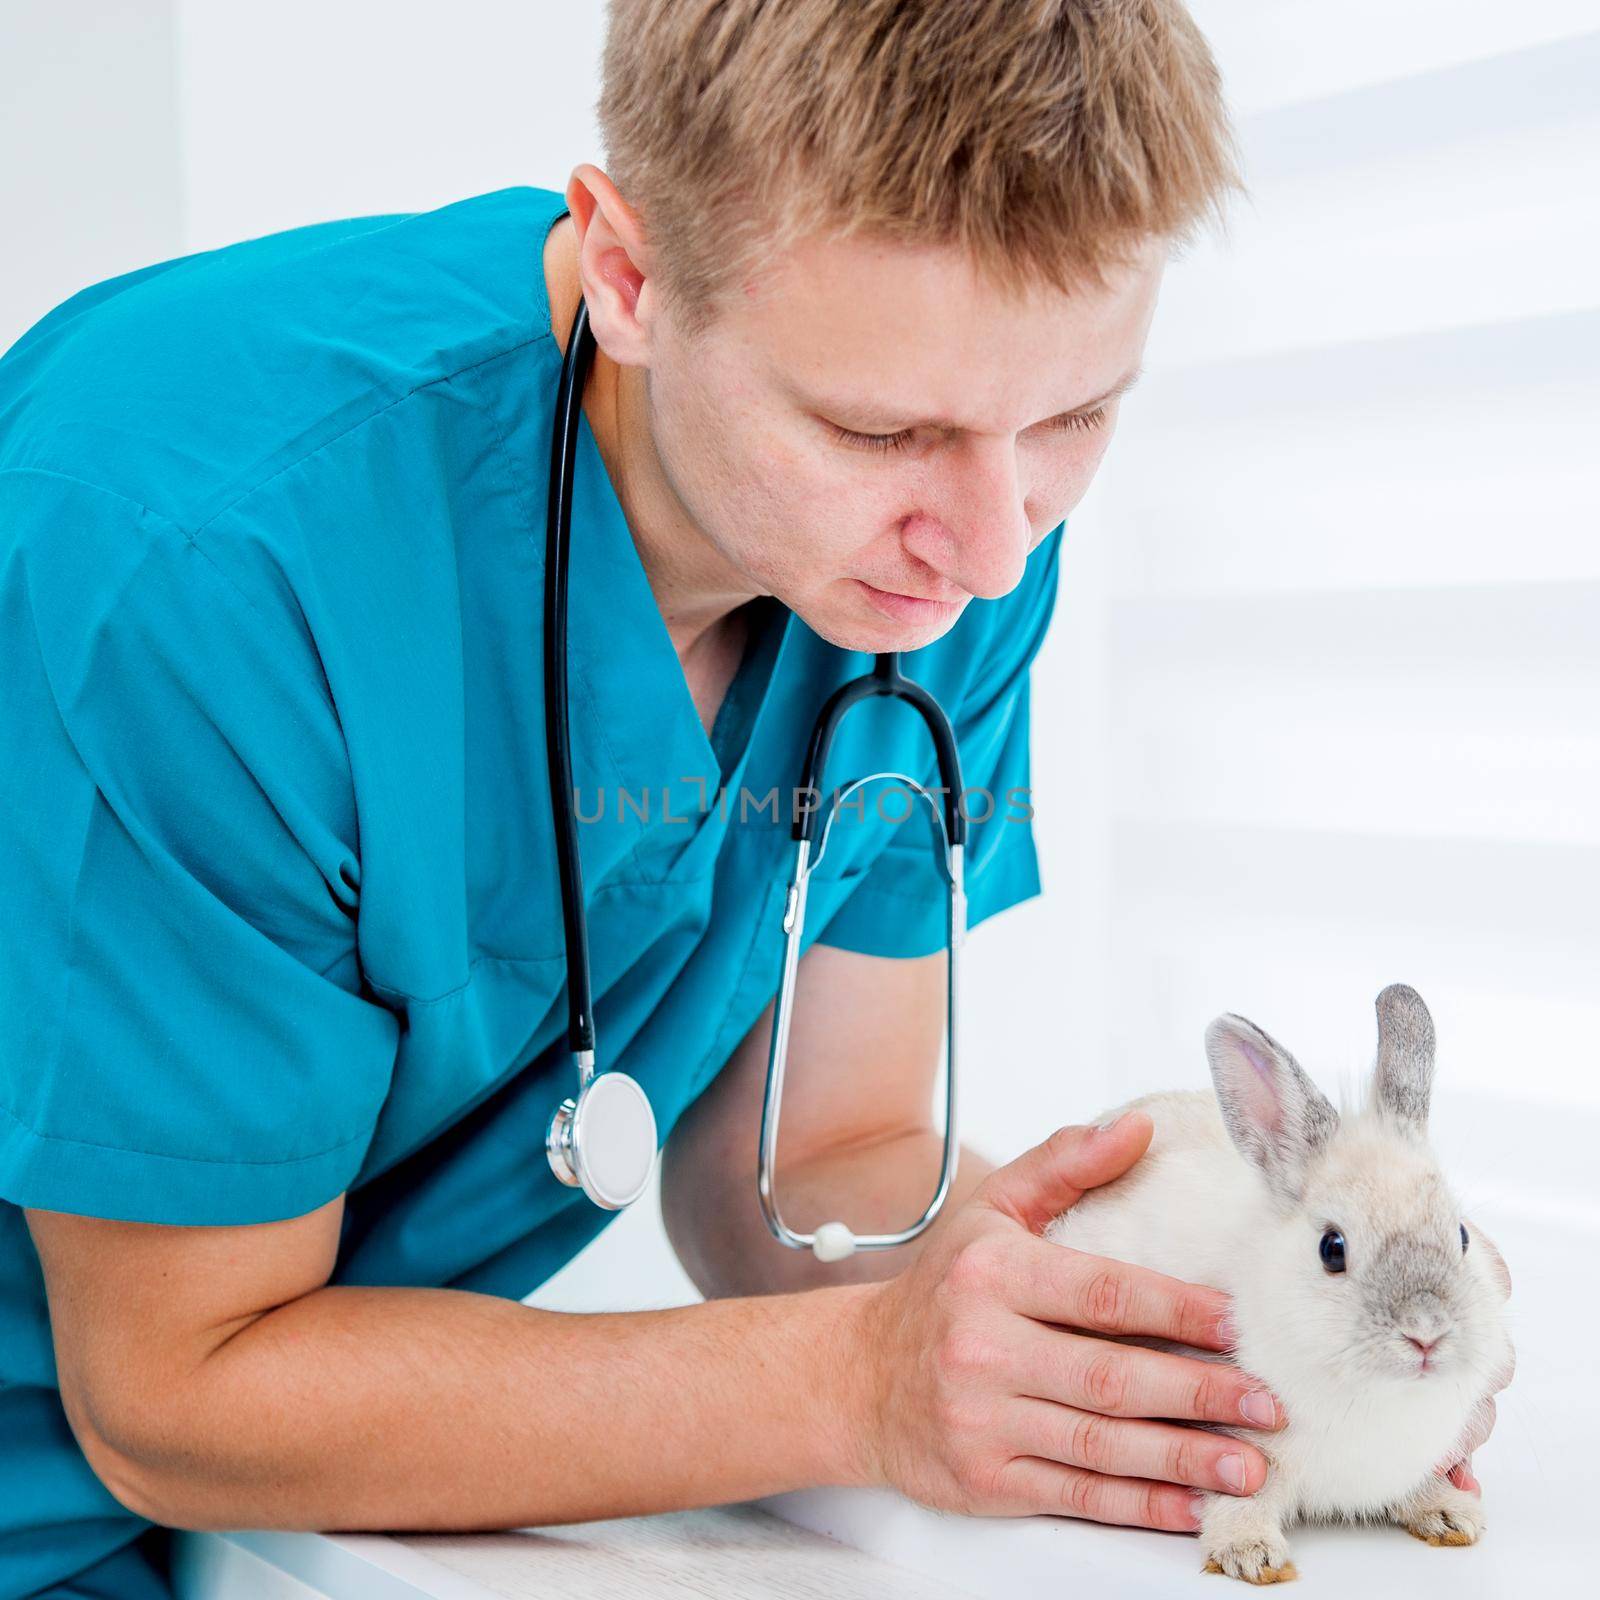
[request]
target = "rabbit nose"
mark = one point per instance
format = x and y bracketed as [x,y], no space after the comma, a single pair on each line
[1424,1345]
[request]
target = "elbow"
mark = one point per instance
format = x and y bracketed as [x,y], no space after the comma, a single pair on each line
[695,1215]
[687,1239]
[124,1477]
[115,1447]
[129,1484]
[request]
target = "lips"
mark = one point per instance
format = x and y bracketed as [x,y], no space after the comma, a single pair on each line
[900,607]
[926,599]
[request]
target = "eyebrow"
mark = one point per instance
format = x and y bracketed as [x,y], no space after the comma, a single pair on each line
[839,410]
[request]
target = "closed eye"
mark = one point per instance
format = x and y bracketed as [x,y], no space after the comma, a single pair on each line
[1070,422]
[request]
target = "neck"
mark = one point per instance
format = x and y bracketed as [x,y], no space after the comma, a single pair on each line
[695,589]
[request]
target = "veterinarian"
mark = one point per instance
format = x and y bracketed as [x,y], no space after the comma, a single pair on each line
[283,1019]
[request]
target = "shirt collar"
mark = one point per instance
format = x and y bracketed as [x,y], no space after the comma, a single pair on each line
[640,753]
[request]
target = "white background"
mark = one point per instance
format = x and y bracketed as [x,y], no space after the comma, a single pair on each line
[1318,710]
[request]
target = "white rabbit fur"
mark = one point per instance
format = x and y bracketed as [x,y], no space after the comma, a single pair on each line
[1236,1191]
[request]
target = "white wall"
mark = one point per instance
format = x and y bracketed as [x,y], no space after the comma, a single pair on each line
[305,110]
[89,148]
[1317,709]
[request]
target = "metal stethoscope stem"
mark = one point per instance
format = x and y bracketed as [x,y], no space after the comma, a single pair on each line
[833,1241]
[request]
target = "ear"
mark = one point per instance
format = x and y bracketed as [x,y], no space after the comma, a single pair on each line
[1402,1079]
[614,266]
[1274,1113]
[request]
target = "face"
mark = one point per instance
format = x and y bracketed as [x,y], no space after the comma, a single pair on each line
[1381,1252]
[876,436]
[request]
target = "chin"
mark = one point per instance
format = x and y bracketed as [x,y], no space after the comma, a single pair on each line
[875,639]
[863,624]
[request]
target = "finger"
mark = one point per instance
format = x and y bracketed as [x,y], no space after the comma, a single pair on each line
[1031,1487]
[1052,1177]
[1461,1476]
[1503,1373]
[1124,1380]
[1138,1448]
[1480,1424]
[1056,1283]
[1477,1428]
[1497,1262]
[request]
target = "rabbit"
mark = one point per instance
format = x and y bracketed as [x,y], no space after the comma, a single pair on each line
[1358,1297]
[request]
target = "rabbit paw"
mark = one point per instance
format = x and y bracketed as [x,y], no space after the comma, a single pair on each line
[1254,1560]
[1445,1515]
[1242,1536]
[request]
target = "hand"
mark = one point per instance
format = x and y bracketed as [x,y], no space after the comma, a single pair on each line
[989,1394]
[1458,1466]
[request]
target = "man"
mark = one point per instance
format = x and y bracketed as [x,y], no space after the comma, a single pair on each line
[283,1011]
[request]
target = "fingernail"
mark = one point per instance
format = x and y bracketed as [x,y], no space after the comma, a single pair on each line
[1257,1407]
[1228,1329]
[1231,1470]
[1106,1127]
[1197,1509]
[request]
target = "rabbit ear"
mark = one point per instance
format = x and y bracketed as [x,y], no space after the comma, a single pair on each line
[1274,1113]
[1402,1080]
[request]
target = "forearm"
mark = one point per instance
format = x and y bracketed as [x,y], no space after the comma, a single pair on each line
[725,1245]
[435,1409]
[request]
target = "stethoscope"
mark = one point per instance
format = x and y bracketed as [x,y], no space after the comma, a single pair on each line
[604,1139]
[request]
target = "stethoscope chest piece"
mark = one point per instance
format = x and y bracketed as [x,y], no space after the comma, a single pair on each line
[604,1142]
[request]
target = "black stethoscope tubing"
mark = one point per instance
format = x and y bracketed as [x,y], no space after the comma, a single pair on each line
[575,367]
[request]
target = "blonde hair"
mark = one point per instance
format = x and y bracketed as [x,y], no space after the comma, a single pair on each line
[1045,137]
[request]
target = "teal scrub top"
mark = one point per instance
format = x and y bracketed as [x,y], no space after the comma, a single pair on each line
[282,917]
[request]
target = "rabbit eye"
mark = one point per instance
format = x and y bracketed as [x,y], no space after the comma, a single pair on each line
[1463,1238]
[1333,1250]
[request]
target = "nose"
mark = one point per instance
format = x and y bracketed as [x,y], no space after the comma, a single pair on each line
[1426,1346]
[972,528]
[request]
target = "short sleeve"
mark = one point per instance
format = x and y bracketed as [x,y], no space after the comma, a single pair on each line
[898,907]
[183,1033]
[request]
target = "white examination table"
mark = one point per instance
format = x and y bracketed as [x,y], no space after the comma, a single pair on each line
[1538,1473]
